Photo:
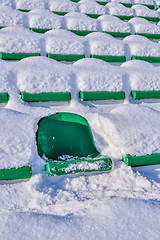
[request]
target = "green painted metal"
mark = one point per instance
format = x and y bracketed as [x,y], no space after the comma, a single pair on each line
[145,95]
[4,97]
[102,3]
[65,57]
[150,35]
[148,59]
[16,173]
[110,58]
[64,137]
[76,166]
[118,34]
[60,13]
[95,16]
[101,95]
[16,56]
[152,19]
[40,30]
[128,5]
[46,97]
[81,32]
[24,10]
[124,17]
[141,160]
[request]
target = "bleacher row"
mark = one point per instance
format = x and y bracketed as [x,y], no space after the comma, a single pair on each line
[95,80]
[84,33]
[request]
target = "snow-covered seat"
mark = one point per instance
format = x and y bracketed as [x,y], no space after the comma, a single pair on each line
[145,28]
[147,3]
[145,12]
[64,45]
[49,80]
[126,3]
[11,17]
[61,7]
[80,23]
[41,20]
[16,145]
[143,79]
[114,26]
[98,80]
[18,42]
[91,8]
[141,48]
[26,6]
[106,47]
[120,11]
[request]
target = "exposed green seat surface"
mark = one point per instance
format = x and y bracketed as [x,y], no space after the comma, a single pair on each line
[110,58]
[101,95]
[60,13]
[149,35]
[16,56]
[145,95]
[15,173]
[152,19]
[4,97]
[102,3]
[119,34]
[24,10]
[148,59]
[124,17]
[65,57]
[40,30]
[95,16]
[141,160]
[81,32]
[46,96]
[65,137]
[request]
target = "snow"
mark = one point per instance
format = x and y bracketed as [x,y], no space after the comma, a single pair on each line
[121,204]
[86,6]
[97,75]
[113,24]
[144,11]
[104,44]
[141,25]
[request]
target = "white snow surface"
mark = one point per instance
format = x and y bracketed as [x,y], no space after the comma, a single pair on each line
[144,11]
[122,204]
[141,25]
[118,9]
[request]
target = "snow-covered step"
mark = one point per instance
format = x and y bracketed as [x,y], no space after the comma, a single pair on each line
[63,45]
[18,42]
[145,28]
[106,47]
[80,23]
[120,11]
[49,80]
[141,48]
[16,144]
[26,6]
[98,80]
[145,12]
[143,79]
[114,26]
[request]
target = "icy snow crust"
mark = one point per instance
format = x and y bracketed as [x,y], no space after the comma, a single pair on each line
[122,204]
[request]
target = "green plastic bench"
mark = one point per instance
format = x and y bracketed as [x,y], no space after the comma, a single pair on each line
[15,173]
[16,56]
[118,34]
[66,141]
[141,160]
[66,57]
[147,58]
[150,35]
[46,97]
[4,97]
[137,95]
[101,95]
[108,58]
